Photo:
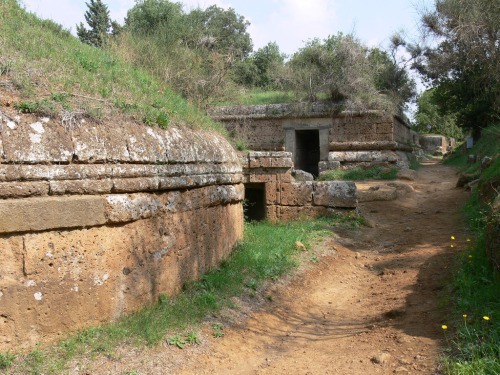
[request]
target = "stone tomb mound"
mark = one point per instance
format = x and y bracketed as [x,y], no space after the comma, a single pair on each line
[100,220]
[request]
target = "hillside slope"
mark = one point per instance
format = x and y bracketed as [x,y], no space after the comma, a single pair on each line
[47,71]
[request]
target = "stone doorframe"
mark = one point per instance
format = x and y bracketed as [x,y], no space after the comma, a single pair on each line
[323,125]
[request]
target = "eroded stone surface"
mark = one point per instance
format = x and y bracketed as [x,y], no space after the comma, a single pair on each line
[112,214]
[49,277]
[335,194]
[35,214]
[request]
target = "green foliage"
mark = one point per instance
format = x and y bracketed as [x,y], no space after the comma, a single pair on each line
[177,340]
[42,107]
[462,61]
[475,348]
[6,359]
[97,17]
[158,18]
[193,52]
[359,174]
[488,144]
[259,69]
[260,96]
[267,59]
[429,120]
[340,69]
[390,78]
[193,338]
[68,69]
[222,30]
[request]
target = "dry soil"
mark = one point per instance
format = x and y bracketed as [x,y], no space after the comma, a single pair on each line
[373,304]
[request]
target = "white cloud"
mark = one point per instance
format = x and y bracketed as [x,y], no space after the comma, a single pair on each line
[294,21]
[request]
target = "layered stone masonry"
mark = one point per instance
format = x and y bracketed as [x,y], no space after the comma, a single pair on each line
[98,220]
[288,199]
[274,127]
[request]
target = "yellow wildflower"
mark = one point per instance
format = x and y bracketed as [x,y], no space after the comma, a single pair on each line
[444,327]
[486,318]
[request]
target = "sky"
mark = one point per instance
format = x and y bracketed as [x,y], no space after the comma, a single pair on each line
[289,23]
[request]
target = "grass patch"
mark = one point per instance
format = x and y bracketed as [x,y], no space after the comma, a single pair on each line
[474,340]
[415,164]
[259,96]
[488,145]
[268,252]
[359,174]
[474,345]
[54,72]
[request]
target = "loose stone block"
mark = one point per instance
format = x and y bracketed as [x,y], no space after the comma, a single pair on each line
[335,194]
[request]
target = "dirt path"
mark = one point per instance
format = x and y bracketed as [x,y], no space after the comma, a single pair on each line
[370,306]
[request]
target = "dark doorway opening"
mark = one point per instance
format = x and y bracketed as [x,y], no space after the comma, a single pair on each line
[307,151]
[254,206]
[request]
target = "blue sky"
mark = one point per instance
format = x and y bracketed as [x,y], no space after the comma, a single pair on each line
[288,22]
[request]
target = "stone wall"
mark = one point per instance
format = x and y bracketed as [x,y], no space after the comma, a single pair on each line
[274,127]
[436,144]
[288,199]
[98,220]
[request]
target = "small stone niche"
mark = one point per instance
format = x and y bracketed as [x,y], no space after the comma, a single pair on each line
[255,201]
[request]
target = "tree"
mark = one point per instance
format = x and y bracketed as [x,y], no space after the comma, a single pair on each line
[266,59]
[460,56]
[337,69]
[222,30]
[429,120]
[390,78]
[97,17]
[159,18]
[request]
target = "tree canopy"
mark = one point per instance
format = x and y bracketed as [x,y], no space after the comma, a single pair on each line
[460,57]
[429,120]
[97,17]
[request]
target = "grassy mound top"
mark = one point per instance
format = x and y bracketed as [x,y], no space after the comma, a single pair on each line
[45,70]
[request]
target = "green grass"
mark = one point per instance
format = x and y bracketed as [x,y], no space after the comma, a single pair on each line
[260,96]
[267,253]
[54,72]
[474,342]
[488,145]
[359,174]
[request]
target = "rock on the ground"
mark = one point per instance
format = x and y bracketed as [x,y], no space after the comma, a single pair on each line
[303,175]
[378,193]
[381,358]
[407,174]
